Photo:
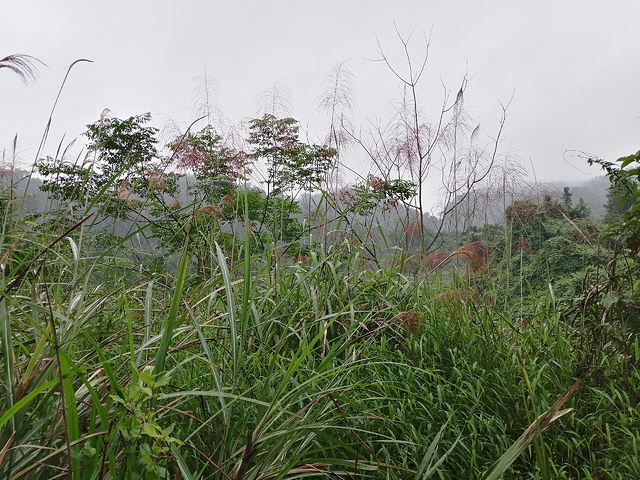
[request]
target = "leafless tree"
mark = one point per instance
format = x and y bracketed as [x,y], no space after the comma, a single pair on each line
[414,147]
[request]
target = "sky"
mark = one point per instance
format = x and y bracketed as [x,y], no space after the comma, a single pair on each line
[567,70]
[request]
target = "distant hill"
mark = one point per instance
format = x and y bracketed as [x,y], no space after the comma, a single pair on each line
[33,200]
[593,191]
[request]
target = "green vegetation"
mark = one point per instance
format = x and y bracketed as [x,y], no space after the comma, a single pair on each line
[235,331]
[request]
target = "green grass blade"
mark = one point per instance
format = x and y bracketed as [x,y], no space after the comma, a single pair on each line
[182,464]
[16,407]
[104,363]
[172,319]
[7,356]
[532,432]
[427,460]
[71,411]
[246,291]
[148,315]
[231,310]
[214,369]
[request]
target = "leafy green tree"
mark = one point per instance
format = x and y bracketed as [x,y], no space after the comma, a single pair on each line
[122,182]
[122,169]
[567,195]
[581,210]
[275,141]
[623,206]
[216,167]
[357,210]
[291,167]
[379,193]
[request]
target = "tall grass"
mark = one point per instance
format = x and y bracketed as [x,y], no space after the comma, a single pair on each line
[293,371]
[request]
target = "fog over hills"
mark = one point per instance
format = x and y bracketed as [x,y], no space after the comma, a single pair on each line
[592,191]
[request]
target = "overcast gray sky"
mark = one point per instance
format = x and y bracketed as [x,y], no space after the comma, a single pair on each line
[571,66]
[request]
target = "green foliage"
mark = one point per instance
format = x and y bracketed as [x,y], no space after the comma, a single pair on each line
[291,164]
[548,248]
[623,208]
[556,262]
[124,150]
[292,167]
[365,197]
[610,306]
[581,210]
[215,166]
[147,445]
[616,204]
[121,173]
[318,366]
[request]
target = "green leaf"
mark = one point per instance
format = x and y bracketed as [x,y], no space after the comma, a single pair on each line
[627,160]
[610,299]
[88,451]
[162,381]
[9,413]
[146,375]
[173,318]
[151,429]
